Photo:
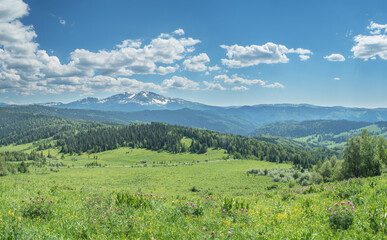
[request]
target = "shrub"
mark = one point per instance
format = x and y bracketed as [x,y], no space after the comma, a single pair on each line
[37,207]
[191,209]
[341,215]
[316,178]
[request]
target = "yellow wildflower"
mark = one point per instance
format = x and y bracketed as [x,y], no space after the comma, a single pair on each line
[19,218]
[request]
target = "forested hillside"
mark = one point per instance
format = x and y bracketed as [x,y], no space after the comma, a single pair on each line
[21,127]
[324,133]
[185,117]
[159,136]
[301,129]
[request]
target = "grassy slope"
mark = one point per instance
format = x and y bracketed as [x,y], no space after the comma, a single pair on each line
[270,215]
[227,177]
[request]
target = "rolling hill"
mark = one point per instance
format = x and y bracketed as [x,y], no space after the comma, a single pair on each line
[324,133]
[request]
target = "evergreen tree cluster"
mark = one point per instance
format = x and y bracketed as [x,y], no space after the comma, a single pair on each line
[160,136]
[20,127]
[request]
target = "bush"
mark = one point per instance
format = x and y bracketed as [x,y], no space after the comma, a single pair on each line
[37,207]
[316,178]
[341,215]
[292,183]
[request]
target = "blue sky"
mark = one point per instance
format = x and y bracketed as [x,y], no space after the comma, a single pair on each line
[214,52]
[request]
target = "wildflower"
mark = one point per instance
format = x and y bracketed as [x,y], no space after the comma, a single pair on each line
[37,197]
[212,233]
[342,203]
[22,200]
[204,229]
[30,198]
[352,208]
[334,213]
[229,233]
[47,210]
[329,208]
[102,217]
[224,210]
[19,218]
[336,204]
[94,220]
[346,209]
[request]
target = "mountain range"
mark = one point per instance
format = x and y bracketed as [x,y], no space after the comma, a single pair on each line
[151,107]
[132,102]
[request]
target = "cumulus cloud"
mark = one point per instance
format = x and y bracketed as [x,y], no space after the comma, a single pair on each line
[376,28]
[235,79]
[214,68]
[274,85]
[179,31]
[371,46]
[213,86]
[269,53]
[197,63]
[12,9]
[335,57]
[336,79]
[304,57]
[25,69]
[241,88]
[180,83]
[166,70]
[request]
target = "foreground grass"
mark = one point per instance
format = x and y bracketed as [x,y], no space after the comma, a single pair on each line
[227,205]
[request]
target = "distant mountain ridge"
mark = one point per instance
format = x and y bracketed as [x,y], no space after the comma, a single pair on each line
[131,102]
[151,107]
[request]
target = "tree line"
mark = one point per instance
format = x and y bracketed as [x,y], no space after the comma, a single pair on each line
[164,137]
[20,127]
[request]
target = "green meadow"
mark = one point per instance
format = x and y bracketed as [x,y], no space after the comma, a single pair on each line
[195,199]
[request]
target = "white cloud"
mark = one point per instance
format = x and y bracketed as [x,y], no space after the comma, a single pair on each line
[25,69]
[197,63]
[376,28]
[304,57]
[370,46]
[180,83]
[336,79]
[335,57]
[274,85]
[62,21]
[214,68]
[214,86]
[179,32]
[269,53]
[235,79]
[168,69]
[130,43]
[241,88]
[12,9]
